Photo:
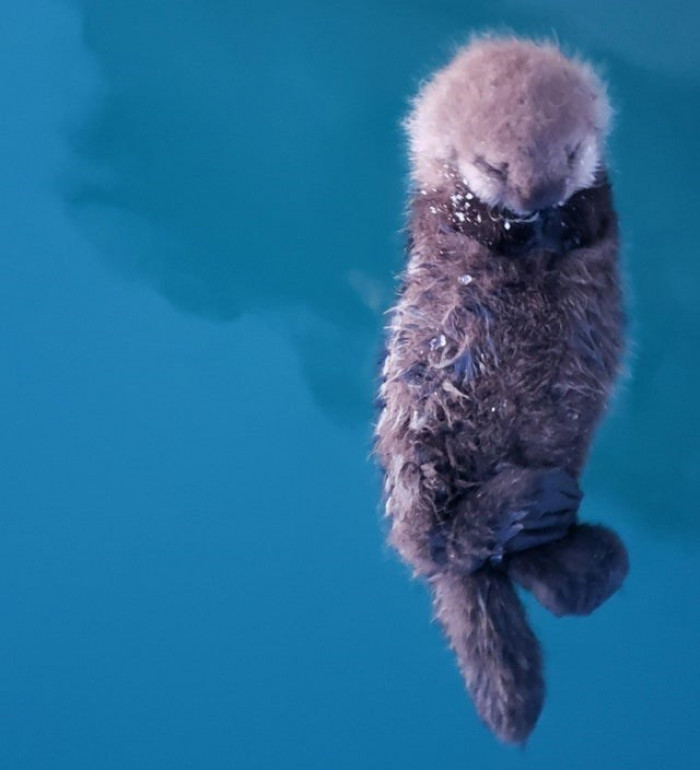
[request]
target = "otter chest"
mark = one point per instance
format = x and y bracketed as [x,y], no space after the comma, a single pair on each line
[509,362]
[515,334]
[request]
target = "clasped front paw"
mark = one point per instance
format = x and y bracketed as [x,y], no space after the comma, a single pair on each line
[545,517]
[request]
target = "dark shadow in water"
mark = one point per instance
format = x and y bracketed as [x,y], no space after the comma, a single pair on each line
[249,158]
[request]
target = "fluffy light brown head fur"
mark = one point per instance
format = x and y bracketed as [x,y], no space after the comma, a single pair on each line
[522,125]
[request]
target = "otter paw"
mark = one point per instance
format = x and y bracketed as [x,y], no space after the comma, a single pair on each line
[546,516]
[575,575]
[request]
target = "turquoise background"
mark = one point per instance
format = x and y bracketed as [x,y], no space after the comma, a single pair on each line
[201,219]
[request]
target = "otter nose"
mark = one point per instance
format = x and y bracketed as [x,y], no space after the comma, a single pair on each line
[543,196]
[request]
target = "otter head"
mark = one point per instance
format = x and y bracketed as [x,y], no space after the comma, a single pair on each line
[521,124]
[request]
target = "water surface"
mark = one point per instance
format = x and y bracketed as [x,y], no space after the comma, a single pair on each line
[202,211]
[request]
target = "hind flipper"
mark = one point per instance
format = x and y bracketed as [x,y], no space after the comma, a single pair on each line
[576,574]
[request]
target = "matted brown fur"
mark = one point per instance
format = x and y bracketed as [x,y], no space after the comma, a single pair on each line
[498,370]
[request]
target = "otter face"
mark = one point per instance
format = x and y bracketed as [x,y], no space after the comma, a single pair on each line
[522,125]
[531,172]
[526,181]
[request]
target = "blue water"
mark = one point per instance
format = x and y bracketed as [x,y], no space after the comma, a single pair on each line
[200,215]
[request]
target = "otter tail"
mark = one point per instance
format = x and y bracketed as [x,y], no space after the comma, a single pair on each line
[498,654]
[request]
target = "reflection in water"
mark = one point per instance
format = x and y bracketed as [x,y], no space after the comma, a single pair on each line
[247,166]
[247,160]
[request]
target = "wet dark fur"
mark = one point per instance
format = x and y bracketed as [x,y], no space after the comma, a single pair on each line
[579,222]
[498,369]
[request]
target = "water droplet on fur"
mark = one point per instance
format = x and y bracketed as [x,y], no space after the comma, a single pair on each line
[506,225]
[438,342]
[469,196]
[465,279]
[459,216]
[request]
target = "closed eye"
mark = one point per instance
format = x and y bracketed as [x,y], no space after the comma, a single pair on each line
[496,172]
[572,153]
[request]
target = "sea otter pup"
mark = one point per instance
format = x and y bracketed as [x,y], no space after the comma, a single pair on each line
[501,354]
